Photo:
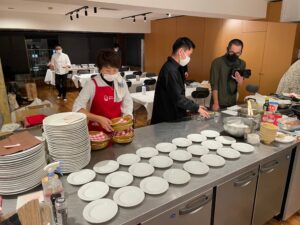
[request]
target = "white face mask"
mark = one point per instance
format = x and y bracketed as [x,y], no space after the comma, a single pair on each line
[184,62]
[109,77]
[59,51]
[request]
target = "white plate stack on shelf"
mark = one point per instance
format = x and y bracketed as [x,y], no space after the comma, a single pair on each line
[22,171]
[68,140]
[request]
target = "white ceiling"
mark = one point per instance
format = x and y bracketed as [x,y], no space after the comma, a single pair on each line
[105,10]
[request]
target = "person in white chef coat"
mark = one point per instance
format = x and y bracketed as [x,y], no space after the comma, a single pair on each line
[61,64]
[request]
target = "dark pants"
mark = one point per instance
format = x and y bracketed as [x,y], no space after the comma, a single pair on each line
[61,84]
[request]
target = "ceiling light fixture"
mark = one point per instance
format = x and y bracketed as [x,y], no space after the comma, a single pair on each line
[71,16]
[85,12]
[145,18]
[133,19]
[137,15]
[77,15]
[168,14]
[95,9]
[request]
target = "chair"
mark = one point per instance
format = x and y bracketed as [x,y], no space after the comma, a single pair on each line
[139,88]
[149,82]
[137,73]
[252,88]
[87,71]
[124,68]
[150,75]
[130,76]
[129,83]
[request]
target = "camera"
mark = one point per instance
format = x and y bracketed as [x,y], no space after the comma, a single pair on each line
[246,73]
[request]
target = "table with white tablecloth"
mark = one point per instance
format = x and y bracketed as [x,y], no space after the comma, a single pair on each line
[135,83]
[148,99]
[82,79]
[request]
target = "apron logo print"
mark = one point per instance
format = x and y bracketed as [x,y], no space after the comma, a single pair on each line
[108,98]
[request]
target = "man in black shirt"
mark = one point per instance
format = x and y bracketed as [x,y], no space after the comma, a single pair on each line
[170,102]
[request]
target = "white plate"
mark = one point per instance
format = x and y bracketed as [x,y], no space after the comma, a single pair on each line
[211,144]
[146,152]
[106,166]
[100,211]
[141,169]
[198,150]
[161,161]
[213,160]
[285,139]
[225,140]
[242,147]
[128,159]
[177,176]
[180,155]
[196,137]
[196,167]
[93,191]
[210,133]
[129,196]
[81,177]
[182,142]
[228,153]
[119,179]
[154,185]
[166,147]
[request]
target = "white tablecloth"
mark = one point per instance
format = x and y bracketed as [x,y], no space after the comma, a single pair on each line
[148,99]
[82,79]
[136,83]
[50,77]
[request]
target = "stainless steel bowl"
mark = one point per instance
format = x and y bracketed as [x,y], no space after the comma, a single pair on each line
[238,126]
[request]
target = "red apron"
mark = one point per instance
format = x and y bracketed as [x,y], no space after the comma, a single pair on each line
[104,105]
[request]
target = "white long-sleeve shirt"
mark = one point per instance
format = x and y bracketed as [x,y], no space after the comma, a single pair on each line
[61,63]
[87,94]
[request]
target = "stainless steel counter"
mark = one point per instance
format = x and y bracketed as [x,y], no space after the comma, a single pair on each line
[153,205]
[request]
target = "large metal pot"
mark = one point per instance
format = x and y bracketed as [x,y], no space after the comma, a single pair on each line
[238,126]
[256,117]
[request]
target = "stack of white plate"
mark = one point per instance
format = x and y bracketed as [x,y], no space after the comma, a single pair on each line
[68,140]
[22,171]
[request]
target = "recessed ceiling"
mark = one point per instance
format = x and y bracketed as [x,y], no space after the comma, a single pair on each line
[55,7]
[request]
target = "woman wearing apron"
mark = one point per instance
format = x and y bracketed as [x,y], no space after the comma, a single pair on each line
[105,96]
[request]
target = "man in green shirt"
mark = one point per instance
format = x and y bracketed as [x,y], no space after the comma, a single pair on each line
[223,78]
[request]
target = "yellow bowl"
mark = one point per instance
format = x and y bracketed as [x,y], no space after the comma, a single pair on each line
[98,145]
[115,121]
[122,140]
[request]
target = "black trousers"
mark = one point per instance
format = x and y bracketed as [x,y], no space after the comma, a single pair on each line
[61,84]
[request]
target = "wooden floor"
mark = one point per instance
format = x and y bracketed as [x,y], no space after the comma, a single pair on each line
[49,93]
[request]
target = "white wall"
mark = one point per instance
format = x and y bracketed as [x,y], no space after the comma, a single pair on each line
[247,9]
[17,20]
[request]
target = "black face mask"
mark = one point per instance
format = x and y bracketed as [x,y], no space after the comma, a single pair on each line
[231,57]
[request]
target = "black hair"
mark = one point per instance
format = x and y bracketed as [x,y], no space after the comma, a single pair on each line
[108,58]
[237,42]
[57,46]
[183,42]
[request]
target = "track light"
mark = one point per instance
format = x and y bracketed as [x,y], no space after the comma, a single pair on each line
[134,19]
[168,14]
[85,12]
[77,15]
[145,18]
[95,9]
[71,16]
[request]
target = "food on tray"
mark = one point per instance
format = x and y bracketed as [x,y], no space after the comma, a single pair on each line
[238,124]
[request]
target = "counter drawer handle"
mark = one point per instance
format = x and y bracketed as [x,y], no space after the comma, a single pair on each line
[270,168]
[245,182]
[196,204]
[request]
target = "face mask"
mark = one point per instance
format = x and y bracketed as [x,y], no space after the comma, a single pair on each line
[231,57]
[59,51]
[110,78]
[185,61]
